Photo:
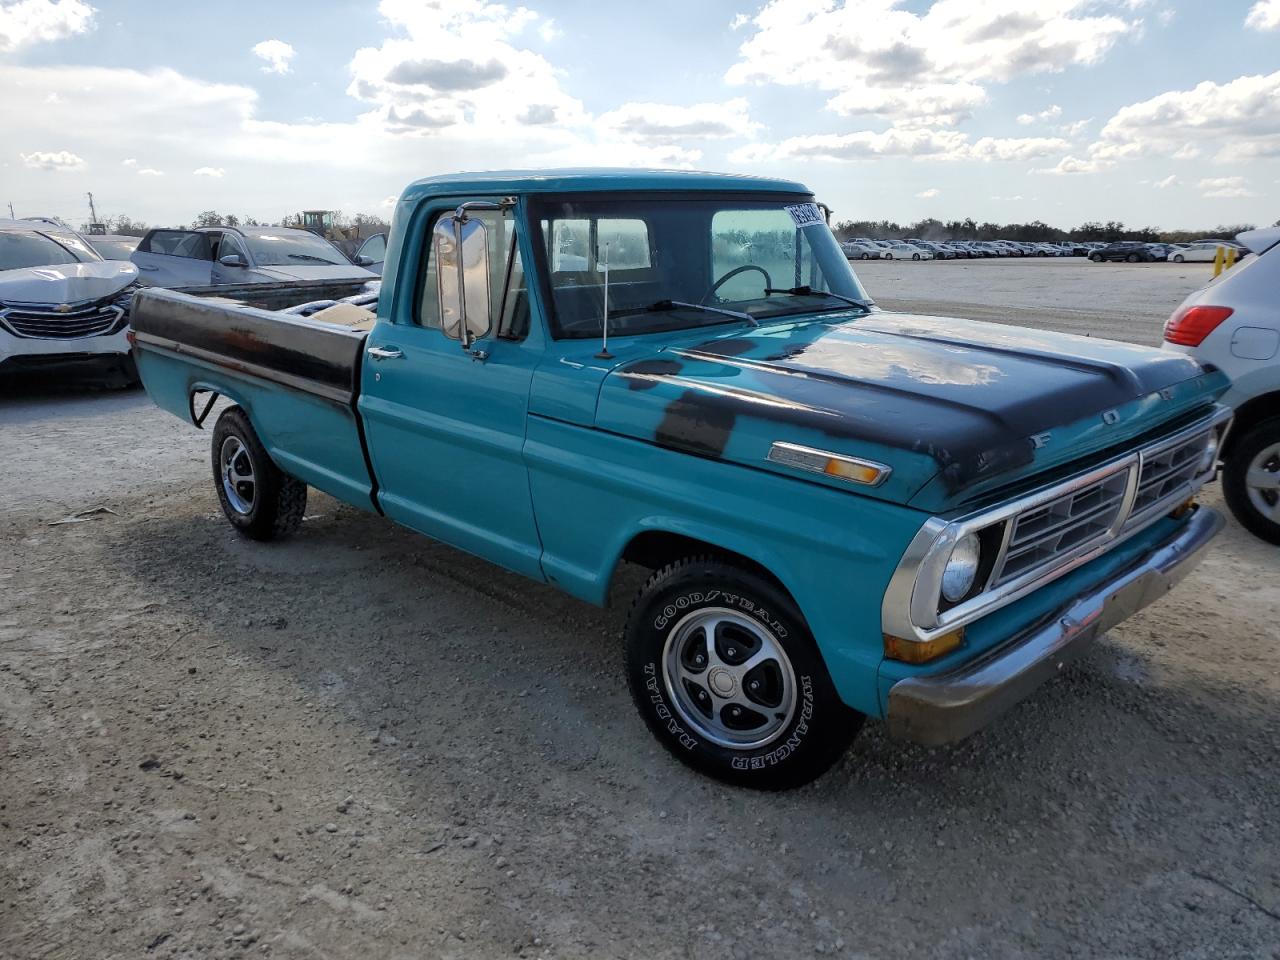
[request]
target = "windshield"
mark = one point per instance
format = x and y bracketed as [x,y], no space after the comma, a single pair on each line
[278,248]
[30,249]
[670,256]
[114,249]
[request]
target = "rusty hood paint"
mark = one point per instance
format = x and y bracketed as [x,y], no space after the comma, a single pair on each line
[962,403]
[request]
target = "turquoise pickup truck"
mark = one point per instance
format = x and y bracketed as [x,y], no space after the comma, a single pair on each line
[848,512]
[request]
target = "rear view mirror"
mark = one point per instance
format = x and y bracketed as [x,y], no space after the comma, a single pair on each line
[461,249]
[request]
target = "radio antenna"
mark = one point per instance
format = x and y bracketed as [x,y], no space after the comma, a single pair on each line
[604,353]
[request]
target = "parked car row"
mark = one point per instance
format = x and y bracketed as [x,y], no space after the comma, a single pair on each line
[65,298]
[1131,251]
[865,248]
[1135,251]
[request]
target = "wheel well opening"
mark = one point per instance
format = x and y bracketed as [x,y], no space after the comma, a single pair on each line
[654,549]
[1251,413]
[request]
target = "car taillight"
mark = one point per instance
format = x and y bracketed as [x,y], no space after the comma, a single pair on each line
[1190,325]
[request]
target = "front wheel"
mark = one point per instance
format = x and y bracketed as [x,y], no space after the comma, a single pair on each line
[1095,258]
[725,673]
[257,496]
[915,256]
[888,256]
[1177,258]
[1251,480]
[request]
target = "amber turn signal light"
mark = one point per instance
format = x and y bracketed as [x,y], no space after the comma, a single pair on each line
[922,651]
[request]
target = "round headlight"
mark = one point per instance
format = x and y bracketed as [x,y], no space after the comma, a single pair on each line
[961,568]
[1210,456]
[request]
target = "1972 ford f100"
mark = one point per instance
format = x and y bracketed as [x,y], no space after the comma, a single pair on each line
[848,512]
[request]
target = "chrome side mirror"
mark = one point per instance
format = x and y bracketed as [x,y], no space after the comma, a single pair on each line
[232,260]
[363,261]
[461,249]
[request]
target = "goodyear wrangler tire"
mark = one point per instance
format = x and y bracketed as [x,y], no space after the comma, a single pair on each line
[259,499]
[724,671]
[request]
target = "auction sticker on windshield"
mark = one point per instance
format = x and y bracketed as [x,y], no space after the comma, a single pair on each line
[805,214]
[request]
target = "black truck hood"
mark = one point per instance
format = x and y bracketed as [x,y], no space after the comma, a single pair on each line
[975,399]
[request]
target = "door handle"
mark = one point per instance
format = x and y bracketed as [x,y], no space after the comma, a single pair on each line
[385,353]
[143,266]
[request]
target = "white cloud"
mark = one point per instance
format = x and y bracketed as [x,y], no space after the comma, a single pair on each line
[878,57]
[129,162]
[929,194]
[276,53]
[548,31]
[919,142]
[739,21]
[460,67]
[660,123]
[1225,187]
[1075,128]
[938,104]
[27,22]
[1051,113]
[1241,118]
[1071,165]
[62,160]
[1264,15]
[215,172]
[1169,181]
[895,142]
[1016,148]
[150,172]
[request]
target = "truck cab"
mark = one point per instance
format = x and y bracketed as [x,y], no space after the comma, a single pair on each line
[848,513]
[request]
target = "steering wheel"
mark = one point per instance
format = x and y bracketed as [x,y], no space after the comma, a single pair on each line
[768,280]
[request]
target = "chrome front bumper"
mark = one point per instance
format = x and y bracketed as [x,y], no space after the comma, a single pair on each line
[950,706]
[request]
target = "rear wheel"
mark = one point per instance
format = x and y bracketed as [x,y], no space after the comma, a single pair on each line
[259,499]
[1251,480]
[725,673]
[1133,258]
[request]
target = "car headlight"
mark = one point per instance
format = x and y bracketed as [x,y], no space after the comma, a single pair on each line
[1210,456]
[962,568]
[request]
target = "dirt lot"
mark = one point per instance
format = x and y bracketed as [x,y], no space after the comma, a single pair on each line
[360,743]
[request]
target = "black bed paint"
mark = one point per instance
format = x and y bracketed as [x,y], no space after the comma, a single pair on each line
[327,357]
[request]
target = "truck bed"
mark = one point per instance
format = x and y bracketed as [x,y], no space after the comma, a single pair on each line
[297,377]
[300,352]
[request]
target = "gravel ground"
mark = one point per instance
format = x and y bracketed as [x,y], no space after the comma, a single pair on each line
[362,743]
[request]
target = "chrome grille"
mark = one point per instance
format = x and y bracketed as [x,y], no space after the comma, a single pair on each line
[87,321]
[1166,476]
[1041,535]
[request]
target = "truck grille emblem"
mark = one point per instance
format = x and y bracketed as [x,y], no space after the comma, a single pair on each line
[1040,440]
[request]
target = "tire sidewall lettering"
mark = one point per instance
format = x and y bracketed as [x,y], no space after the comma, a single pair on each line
[691,599]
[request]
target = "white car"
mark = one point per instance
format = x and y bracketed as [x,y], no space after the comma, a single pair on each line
[61,304]
[905,251]
[1233,323]
[860,251]
[1202,251]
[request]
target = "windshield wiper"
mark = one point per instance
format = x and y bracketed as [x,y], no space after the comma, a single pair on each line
[810,292]
[312,257]
[662,305]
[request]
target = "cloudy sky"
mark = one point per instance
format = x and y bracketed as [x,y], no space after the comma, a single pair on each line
[1160,112]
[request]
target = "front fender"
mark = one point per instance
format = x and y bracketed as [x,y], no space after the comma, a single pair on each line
[834,551]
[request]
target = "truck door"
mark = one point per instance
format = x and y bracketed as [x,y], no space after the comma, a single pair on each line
[446,428]
[174,258]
